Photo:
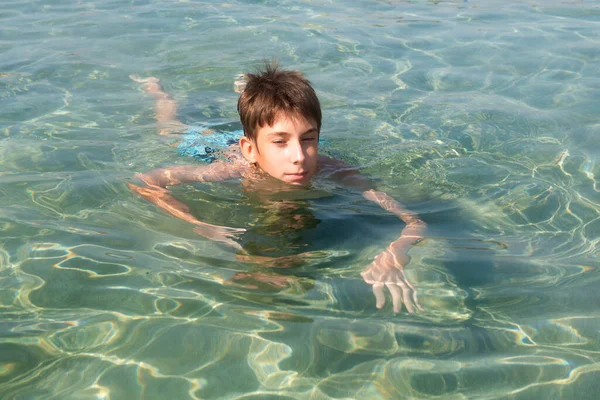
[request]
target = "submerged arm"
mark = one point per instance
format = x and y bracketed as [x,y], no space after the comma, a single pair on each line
[413,231]
[171,176]
[156,192]
[387,268]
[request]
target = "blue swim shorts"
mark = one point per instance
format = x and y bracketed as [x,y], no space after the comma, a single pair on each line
[196,142]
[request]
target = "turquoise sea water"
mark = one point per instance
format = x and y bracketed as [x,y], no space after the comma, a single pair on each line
[482,116]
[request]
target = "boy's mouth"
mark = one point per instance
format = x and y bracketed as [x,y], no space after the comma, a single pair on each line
[297,176]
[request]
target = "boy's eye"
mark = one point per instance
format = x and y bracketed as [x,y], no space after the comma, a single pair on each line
[278,141]
[309,138]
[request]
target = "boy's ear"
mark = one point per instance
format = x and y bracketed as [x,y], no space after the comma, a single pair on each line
[249,149]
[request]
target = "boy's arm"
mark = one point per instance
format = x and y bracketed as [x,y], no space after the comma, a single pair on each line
[388,267]
[171,176]
[156,192]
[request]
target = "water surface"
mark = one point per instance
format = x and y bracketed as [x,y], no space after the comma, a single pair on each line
[481,116]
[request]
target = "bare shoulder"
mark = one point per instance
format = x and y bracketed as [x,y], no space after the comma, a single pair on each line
[233,154]
[216,171]
[329,166]
[341,171]
[231,167]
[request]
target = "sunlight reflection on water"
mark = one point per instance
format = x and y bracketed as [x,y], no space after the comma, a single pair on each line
[481,117]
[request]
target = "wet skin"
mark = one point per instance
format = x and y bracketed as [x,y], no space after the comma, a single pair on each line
[285,153]
[288,150]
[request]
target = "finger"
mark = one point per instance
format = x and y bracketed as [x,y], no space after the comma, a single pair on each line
[407,282]
[222,239]
[135,188]
[367,276]
[406,295]
[231,236]
[412,295]
[235,239]
[235,235]
[144,178]
[230,230]
[408,299]
[416,301]
[136,78]
[233,244]
[370,281]
[396,293]
[139,79]
[236,230]
[379,295]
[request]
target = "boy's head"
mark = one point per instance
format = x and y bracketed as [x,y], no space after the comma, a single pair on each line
[281,116]
[272,93]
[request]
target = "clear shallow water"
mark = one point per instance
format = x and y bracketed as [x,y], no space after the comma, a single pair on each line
[481,116]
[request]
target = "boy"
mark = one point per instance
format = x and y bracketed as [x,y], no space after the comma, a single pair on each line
[281,118]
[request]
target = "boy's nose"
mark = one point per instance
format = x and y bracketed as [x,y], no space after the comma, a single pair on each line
[297,153]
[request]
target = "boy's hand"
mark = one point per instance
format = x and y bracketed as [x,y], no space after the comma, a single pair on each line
[221,234]
[159,196]
[163,199]
[387,270]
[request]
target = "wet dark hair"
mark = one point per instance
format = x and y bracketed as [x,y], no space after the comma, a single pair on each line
[271,92]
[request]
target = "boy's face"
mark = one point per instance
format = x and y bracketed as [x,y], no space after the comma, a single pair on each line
[287,150]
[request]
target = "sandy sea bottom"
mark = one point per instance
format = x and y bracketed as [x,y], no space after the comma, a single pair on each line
[481,116]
